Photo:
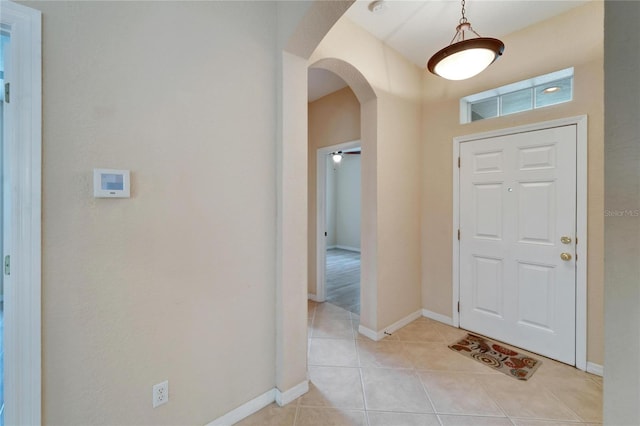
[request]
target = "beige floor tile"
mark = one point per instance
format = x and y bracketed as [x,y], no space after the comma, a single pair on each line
[271,415]
[396,371]
[311,308]
[310,416]
[525,399]
[377,418]
[449,333]
[459,393]
[438,357]
[338,387]
[355,324]
[394,390]
[474,421]
[385,353]
[582,395]
[324,327]
[530,422]
[329,311]
[333,352]
[420,330]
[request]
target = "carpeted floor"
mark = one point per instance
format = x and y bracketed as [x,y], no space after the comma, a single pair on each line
[343,279]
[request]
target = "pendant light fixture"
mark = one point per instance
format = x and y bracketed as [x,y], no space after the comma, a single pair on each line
[464,58]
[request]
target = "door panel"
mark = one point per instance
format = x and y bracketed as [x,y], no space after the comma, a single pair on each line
[517,198]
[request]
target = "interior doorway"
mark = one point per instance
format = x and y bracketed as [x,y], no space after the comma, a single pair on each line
[342,227]
[338,225]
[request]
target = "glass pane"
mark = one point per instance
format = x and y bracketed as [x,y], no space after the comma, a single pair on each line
[484,109]
[554,93]
[517,101]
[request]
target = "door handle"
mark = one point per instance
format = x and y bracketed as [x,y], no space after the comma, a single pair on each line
[565,256]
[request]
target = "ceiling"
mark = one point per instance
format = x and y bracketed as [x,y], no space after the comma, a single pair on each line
[419,28]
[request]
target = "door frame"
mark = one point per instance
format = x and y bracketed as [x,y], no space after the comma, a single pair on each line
[22,297]
[321,214]
[581,220]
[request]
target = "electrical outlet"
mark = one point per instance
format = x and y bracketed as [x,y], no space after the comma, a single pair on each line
[160,393]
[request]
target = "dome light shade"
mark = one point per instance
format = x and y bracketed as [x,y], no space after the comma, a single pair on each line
[464,58]
[337,157]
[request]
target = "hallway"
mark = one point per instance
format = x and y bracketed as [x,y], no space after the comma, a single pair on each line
[413,378]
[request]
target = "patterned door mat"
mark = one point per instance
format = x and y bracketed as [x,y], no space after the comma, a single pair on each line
[497,356]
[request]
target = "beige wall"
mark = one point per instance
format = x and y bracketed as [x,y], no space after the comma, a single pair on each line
[396,83]
[572,39]
[333,119]
[177,282]
[622,210]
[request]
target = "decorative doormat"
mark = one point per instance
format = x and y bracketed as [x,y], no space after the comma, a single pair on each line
[497,356]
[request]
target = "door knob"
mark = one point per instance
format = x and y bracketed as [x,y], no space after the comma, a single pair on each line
[565,240]
[565,256]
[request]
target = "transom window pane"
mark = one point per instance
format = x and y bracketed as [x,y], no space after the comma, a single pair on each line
[554,93]
[522,100]
[484,109]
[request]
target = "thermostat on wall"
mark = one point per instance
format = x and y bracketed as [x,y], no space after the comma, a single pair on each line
[108,183]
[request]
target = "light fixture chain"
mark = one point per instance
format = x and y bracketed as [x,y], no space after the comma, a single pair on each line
[464,19]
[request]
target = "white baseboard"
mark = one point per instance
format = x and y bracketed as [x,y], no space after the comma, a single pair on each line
[437,317]
[283,398]
[367,332]
[258,403]
[348,248]
[315,298]
[596,369]
[245,410]
[373,335]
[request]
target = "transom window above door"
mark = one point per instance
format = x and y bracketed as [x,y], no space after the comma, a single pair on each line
[538,92]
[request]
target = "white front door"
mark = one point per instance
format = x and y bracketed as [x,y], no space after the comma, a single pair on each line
[518,227]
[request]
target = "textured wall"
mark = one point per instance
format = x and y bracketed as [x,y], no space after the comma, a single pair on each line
[622,215]
[177,282]
[571,39]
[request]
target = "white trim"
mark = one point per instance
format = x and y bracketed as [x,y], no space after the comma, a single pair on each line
[348,248]
[22,308]
[367,332]
[314,298]
[245,410]
[596,369]
[259,402]
[321,212]
[581,220]
[390,329]
[582,209]
[283,398]
[437,317]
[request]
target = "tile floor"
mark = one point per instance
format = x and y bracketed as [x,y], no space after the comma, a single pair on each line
[413,378]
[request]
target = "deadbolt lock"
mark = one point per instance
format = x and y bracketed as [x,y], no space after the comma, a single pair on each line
[565,240]
[565,256]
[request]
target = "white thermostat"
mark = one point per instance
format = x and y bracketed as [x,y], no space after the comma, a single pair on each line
[109,183]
